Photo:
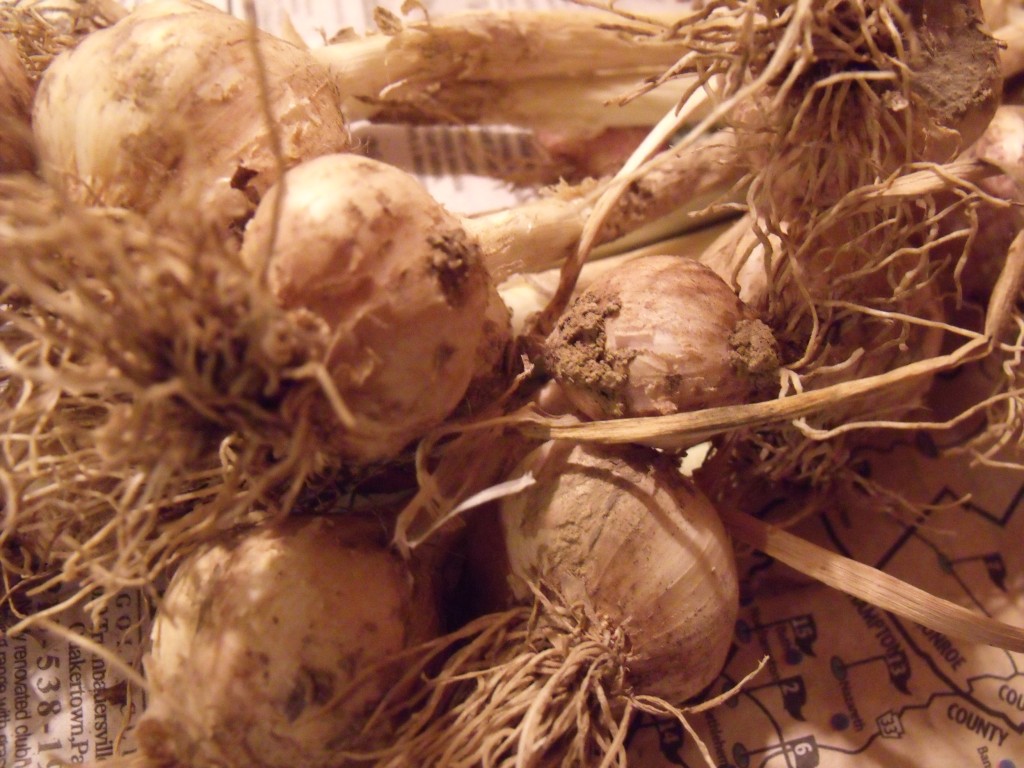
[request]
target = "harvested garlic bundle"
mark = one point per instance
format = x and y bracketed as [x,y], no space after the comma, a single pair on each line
[659,335]
[398,283]
[269,649]
[15,107]
[166,105]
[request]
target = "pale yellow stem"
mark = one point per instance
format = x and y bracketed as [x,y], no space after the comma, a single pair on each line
[872,585]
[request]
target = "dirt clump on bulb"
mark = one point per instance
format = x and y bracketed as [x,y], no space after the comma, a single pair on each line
[585,357]
[660,335]
[953,73]
[755,352]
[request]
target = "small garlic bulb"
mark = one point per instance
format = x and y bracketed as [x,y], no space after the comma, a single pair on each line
[660,335]
[398,283]
[1002,145]
[618,531]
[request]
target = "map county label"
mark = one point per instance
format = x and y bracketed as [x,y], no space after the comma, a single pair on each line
[977,723]
[945,648]
[1012,696]
[1003,696]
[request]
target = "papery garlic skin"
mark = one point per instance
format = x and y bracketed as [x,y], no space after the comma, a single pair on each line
[398,283]
[660,335]
[619,532]
[1002,145]
[493,367]
[259,639]
[165,105]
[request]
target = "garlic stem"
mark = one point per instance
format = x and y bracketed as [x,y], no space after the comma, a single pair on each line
[689,428]
[490,46]
[678,189]
[870,584]
[539,102]
[527,293]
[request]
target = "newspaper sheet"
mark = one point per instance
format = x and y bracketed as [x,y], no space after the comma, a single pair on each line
[846,685]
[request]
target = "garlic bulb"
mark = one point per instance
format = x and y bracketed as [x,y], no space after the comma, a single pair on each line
[621,533]
[624,596]
[392,274]
[262,645]
[659,335]
[166,105]
[15,106]
[1002,145]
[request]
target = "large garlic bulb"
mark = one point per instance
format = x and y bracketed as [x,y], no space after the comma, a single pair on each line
[263,646]
[659,335]
[166,105]
[401,287]
[619,532]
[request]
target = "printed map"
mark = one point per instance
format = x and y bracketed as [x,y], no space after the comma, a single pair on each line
[850,686]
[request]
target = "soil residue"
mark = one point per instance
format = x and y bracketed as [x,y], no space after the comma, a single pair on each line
[577,352]
[755,352]
[956,73]
[453,256]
